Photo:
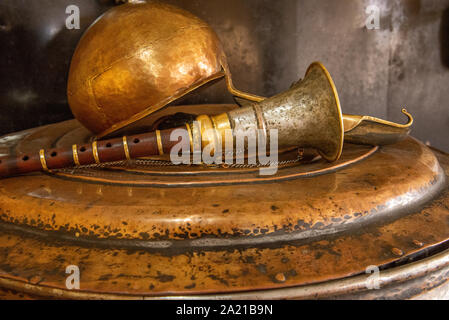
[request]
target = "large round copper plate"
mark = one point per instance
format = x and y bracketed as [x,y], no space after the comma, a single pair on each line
[149,231]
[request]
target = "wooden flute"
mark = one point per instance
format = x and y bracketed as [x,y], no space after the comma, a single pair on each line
[97,152]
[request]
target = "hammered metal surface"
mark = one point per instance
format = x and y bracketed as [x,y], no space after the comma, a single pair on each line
[151,54]
[135,241]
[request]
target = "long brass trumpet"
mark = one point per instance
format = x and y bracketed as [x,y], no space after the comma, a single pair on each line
[307,115]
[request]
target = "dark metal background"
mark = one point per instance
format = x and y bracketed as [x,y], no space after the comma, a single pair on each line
[269,45]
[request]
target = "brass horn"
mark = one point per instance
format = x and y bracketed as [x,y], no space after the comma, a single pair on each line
[358,129]
[306,115]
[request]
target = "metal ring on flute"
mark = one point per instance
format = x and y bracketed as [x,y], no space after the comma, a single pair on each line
[125,147]
[159,142]
[75,155]
[43,161]
[95,152]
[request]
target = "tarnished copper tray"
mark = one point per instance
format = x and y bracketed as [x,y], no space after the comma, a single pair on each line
[145,230]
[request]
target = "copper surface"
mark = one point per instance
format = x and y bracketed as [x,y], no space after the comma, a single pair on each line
[133,240]
[151,54]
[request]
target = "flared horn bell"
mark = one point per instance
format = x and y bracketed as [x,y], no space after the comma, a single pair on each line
[306,115]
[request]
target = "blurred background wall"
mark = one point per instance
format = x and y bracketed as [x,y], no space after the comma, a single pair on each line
[403,63]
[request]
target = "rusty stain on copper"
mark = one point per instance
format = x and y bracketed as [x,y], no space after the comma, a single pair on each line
[280,277]
[418,243]
[397,252]
[35,279]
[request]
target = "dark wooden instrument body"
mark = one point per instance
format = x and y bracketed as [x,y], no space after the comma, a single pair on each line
[110,150]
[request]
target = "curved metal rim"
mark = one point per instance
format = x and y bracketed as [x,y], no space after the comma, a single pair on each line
[259,179]
[151,109]
[327,289]
[359,119]
[209,243]
[339,150]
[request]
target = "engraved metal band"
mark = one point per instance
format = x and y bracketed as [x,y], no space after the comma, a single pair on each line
[222,124]
[43,161]
[260,123]
[75,155]
[95,152]
[196,137]
[159,142]
[190,136]
[217,136]
[125,147]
